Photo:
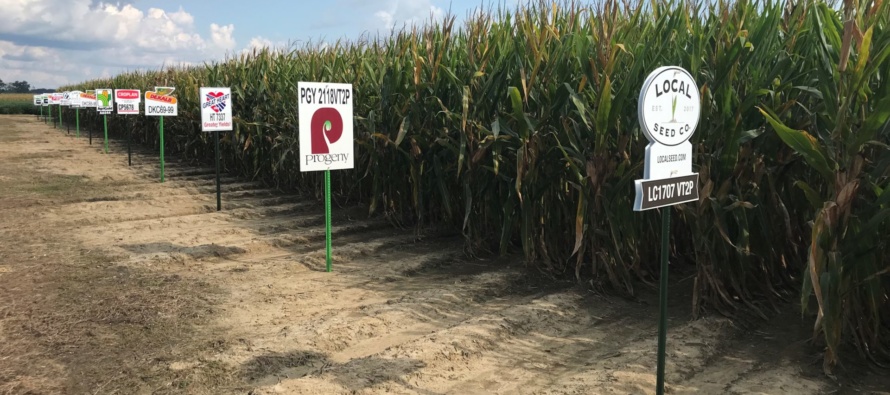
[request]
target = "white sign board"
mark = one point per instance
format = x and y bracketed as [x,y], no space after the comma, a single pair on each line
[55,98]
[160,102]
[37,100]
[74,99]
[216,109]
[64,101]
[326,126]
[45,99]
[88,99]
[104,101]
[669,112]
[127,101]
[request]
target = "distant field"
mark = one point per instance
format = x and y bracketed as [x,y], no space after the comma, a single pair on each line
[17,103]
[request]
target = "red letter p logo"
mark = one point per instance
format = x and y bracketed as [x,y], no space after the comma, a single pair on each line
[326,128]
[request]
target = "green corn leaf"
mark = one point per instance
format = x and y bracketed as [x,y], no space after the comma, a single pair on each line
[804,144]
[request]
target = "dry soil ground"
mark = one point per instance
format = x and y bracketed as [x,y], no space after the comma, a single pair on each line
[113,283]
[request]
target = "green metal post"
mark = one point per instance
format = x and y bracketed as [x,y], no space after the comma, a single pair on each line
[662,299]
[77,121]
[327,217]
[162,149]
[218,197]
[60,116]
[105,121]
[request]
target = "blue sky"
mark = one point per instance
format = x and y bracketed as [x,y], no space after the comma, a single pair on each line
[54,42]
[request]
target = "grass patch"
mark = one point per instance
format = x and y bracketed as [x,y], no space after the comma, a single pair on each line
[17,103]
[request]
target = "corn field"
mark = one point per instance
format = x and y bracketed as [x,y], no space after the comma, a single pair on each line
[518,127]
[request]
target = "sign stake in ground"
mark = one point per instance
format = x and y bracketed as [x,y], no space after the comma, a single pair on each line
[88,100]
[127,101]
[63,102]
[326,138]
[55,98]
[74,101]
[669,111]
[160,103]
[216,116]
[46,100]
[105,106]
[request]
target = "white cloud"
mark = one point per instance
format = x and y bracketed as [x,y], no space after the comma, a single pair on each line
[53,42]
[407,12]
[222,36]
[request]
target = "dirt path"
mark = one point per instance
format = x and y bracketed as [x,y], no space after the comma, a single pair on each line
[113,283]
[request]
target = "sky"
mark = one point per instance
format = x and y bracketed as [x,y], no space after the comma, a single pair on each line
[50,43]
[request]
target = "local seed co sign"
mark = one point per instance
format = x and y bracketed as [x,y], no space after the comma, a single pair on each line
[325,126]
[669,111]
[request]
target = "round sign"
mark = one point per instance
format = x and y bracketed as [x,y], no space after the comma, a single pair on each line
[670,106]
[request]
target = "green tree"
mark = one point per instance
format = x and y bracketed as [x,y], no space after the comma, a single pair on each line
[19,87]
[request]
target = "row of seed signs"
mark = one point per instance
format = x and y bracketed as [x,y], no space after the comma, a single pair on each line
[326,137]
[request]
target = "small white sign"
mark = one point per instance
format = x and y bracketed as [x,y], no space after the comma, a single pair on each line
[669,106]
[104,101]
[216,109]
[55,98]
[160,102]
[45,99]
[669,112]
[74,99]
[37,100]
[127,101]
[65,99]
[326,126]
[88,99]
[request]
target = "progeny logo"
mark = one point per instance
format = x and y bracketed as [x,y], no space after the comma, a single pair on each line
[326,128]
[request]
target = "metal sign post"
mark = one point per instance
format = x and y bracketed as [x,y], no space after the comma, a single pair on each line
[326,138]
[216,116]
[669,112]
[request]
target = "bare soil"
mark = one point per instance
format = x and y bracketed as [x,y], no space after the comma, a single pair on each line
[114,283]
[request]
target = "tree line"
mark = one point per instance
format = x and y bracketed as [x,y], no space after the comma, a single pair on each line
[20,87]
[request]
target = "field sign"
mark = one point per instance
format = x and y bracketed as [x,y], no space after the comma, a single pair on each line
[45,99]
[326,126]
[55,98]
[37,100]
[216,109]
[127,101]
[104,101]
[668,113]
[65,99]
[669,109]
[160,102]
[88,99]
[74,99]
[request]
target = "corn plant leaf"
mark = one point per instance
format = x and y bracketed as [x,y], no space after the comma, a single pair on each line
[804,144]
[811,195]
[403,130]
